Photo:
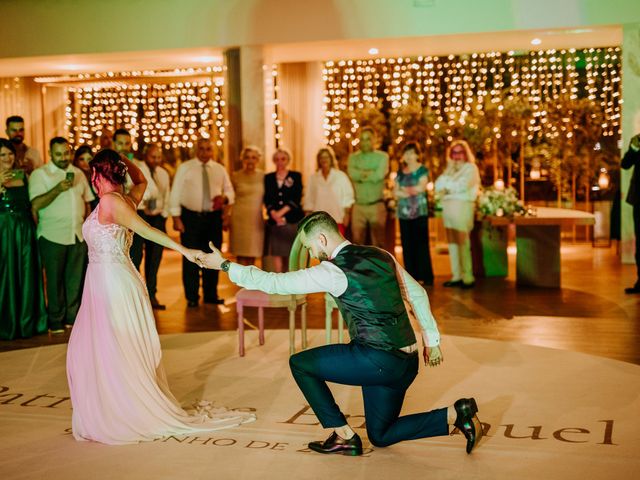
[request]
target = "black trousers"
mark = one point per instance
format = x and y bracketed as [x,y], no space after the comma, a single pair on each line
[414,235]
[151,250]
[636,229]
[64,268]
[137,245]
[199,230]
[384,378]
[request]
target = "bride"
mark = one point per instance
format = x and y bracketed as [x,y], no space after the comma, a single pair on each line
[119,390]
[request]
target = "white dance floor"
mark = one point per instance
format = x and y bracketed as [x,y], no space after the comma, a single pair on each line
[548,414]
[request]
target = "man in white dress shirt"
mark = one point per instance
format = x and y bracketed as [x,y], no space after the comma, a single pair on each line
[377,299]
[27,158]
[155,214]
[60,196]
[201,191]
[122,143]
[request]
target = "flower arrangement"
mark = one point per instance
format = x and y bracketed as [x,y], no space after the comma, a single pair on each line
[499,203]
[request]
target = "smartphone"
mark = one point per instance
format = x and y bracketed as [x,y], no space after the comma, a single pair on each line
[17,174]
[69,177]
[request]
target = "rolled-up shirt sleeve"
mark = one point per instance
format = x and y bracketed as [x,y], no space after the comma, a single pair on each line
[414,295]
[325,277]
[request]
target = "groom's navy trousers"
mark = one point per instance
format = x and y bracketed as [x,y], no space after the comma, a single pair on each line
[384,376]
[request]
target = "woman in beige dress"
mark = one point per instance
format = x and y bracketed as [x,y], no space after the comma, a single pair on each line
[247,223]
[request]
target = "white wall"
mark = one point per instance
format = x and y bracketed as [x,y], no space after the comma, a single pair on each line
[59,27]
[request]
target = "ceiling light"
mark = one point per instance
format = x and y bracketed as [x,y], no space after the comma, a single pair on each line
[536,41]
[373,51]
[206,59]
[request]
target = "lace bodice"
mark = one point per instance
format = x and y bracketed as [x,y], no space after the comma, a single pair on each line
[107,243]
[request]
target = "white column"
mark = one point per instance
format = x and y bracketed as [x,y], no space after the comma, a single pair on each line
[630,127]
[253,96]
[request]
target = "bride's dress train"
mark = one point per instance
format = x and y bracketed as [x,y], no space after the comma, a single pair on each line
[119,390]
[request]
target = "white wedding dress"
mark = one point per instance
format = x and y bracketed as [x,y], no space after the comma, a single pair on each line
[119,390]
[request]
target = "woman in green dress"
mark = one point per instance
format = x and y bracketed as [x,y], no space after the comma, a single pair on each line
[22,309]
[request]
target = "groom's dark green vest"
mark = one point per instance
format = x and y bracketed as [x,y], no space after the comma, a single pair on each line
[372,304]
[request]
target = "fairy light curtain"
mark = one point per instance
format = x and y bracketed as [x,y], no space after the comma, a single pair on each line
[452,86]
[174,114]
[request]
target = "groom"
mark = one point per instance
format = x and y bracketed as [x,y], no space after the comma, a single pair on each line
[376,296]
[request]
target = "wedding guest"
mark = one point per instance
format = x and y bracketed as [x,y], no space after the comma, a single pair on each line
[413,214]
[282,196]
[27,158]
[81,158]
[60,196]
[156,211]
[377,299]
[246,236]
[102,139]
[632,159]
[22,309]
[367,169]
[458,186]
[330,190]
[200,193]
[122,143]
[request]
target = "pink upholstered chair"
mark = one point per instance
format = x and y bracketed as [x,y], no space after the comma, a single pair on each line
[298,258]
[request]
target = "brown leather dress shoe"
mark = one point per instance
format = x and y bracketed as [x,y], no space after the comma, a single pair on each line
[467,421]
[337,444]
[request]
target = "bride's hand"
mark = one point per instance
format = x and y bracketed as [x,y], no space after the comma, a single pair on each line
[192,254]
[211,260]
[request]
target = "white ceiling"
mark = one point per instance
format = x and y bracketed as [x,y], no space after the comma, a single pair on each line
[299,52]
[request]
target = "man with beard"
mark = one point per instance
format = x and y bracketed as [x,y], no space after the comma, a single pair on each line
[60,196]
[377,298]
[27,158]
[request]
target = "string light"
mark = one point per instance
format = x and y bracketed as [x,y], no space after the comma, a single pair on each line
[174,114]
[451,86]
[272,85]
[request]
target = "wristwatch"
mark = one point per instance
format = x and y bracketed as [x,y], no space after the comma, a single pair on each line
[225,266]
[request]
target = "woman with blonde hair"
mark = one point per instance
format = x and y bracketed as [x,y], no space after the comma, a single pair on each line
[330,189]
[246,235]
[282,198]
[458,187]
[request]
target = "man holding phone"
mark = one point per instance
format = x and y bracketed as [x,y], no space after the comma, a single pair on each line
[60,196]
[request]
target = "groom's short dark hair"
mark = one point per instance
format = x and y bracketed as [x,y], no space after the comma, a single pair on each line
[316,221]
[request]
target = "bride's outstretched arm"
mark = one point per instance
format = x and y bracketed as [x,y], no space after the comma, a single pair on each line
[114,209]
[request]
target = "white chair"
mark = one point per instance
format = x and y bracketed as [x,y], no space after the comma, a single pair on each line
[298,258]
